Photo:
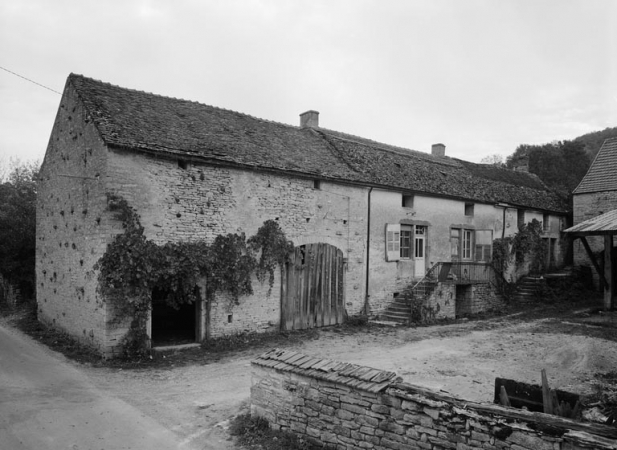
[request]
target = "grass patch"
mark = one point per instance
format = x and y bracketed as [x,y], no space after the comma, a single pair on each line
[255,434]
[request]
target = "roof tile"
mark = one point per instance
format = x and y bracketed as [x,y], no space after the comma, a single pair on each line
[155,124]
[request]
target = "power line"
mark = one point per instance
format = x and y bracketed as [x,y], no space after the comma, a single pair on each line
[31,81]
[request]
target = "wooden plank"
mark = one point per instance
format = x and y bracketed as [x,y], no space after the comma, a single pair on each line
[327,297]
[315,278]
[609,287]
[340,293]
[291,290]
[283,299]
[335,300]
[310,267]
[546,394]
[503,397]
[319,310]
[304,274]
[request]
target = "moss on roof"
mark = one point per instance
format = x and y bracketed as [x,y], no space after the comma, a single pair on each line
[152,123]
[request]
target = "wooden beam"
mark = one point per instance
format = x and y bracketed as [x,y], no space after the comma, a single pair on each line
[609,286]
[593,259]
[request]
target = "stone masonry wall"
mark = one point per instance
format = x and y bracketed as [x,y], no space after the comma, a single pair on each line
[72,226]
[344,406]
[186,201]
[587,206]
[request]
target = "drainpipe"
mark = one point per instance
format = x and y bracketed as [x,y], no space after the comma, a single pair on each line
[503,231]
[368,250]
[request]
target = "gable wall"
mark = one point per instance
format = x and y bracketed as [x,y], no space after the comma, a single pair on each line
[203,201]
[587,206]
[72,226]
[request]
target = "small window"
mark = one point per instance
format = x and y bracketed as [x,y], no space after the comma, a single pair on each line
[546,224]
[316,184]
[469,209]
[407,201]
[520,218]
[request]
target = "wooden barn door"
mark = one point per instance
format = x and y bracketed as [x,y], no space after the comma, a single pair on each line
[312,288]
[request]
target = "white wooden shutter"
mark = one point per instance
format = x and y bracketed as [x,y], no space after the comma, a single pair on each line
[393,241]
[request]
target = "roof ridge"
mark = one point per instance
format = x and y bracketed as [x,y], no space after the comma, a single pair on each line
[383,146]
[139,91]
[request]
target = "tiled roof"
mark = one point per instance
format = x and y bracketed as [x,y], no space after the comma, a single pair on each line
[602,175]
[353,375]
[603,224]
[152,123]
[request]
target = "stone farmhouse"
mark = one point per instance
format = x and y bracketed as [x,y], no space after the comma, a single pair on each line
[595,220]
[375,217]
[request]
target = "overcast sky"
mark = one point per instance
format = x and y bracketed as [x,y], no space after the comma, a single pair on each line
[481,76]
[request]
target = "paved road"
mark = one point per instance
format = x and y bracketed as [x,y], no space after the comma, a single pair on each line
[47,404]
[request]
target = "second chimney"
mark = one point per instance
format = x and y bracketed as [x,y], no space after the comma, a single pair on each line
[438,150]
[309,119]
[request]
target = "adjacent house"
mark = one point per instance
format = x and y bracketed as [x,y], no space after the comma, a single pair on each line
[377,217]
[595,220]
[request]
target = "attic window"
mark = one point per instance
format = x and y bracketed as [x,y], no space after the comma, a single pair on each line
[407,201]
[469,209]
[317,184]
[183,164]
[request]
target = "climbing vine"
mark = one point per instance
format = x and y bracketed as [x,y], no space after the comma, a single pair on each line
[133,267]
[526,245]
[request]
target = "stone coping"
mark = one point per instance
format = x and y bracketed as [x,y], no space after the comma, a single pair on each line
[352,375]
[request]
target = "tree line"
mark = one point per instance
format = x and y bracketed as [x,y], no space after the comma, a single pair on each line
[17,230]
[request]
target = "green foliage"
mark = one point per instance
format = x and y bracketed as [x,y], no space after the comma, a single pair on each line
[561,165]
[18,226]
[526,245]
[273,248]
[229,266]
[133,267]
[593,141]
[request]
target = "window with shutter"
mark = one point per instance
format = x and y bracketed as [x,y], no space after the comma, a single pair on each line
[393,242]
[406,232]
[484,241]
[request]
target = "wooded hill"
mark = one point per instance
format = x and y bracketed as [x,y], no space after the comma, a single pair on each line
[561,165]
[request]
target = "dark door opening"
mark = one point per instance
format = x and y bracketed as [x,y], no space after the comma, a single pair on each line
[462,307]
[171,326]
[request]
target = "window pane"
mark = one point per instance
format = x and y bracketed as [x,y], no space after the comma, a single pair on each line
[419,253]
[405,242]
[466,244]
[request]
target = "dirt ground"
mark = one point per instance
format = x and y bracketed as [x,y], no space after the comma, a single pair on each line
[196,401]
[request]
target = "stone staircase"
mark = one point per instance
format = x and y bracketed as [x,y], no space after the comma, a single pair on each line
[527,288]
[399,311]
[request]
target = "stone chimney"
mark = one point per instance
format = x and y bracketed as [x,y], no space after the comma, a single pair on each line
[309,119]
[438,150]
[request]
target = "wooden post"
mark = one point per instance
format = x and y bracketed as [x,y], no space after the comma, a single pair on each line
[609,287]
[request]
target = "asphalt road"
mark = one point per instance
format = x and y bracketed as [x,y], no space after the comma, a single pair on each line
[47,404]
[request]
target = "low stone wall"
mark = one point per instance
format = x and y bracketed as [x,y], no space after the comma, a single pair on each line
[345,406]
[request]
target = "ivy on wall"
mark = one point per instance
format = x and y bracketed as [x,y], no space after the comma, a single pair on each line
[526,245]
[133,267]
